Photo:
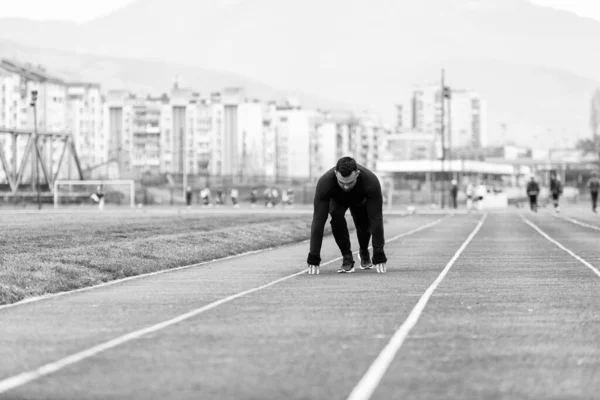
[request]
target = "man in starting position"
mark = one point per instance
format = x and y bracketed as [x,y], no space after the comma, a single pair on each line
[354,187]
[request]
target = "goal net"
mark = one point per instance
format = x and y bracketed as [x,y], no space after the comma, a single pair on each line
[84,193]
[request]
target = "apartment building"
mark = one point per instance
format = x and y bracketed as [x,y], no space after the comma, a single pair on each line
[85,120]
[18,81]
[118,119]
[466,122]
[291,127]
[337,134]
[464,116]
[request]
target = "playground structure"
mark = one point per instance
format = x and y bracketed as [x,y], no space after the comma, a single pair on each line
[35,160]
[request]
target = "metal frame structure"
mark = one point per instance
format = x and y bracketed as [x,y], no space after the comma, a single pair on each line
[34,152]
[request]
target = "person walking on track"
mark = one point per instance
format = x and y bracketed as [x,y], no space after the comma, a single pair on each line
[349,186]
[533,190]
[594,187]
[556,190]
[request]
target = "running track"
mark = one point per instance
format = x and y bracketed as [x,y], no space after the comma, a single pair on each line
[500,305]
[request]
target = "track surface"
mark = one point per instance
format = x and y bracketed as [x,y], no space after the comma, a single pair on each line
[516,317]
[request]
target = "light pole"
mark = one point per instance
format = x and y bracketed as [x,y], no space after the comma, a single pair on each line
[445,93]
[34,94]
[448,95]
[443,139]
[185,164]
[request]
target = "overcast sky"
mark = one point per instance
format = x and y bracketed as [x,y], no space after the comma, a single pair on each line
[85,10]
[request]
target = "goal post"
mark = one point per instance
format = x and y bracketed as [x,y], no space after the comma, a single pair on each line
[83,189]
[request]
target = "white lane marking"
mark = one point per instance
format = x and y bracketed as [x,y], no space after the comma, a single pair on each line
[129,278]
[29,376]
[575,221]
[544,234]
[369,382]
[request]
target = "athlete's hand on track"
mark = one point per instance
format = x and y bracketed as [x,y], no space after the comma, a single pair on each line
[313,269]
[381,268]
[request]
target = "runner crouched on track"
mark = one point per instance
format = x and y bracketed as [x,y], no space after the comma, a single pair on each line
[354,187]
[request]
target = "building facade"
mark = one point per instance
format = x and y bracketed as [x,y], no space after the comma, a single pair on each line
[343,133]
[118,119]
[18,81]
[85,113]
[464,117]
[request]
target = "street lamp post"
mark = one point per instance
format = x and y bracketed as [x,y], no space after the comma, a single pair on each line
[185,164]
[448,95]
[444,94]
[443,139]
[34,94]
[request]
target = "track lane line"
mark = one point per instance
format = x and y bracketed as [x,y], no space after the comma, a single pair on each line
[369,382]
[47,369]
[577,222]
[130,278]
[559,245]
[140,276]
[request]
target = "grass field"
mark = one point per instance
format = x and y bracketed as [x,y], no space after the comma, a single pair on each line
[502,305]
[42,253]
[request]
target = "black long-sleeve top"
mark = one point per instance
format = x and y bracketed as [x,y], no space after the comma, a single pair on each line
[555,186]
[367,188]
[533,188]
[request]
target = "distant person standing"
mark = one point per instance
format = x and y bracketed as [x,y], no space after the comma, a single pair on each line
[594,187]
[234,197]
[284,198]
[268,197]
[98,197]
[533,190]
[454,193]
[556,190]
[274,196]
[470,193]
[480,193]
[253,197]
[205,196]
[188,196]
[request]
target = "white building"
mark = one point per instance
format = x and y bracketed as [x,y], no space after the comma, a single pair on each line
[118,120]
[464,116]
[466,122]
[17,82]
[14,107]
[292,130]
[178,151]
[85,115]
[201,123]
[217,113]
[250,135]
[426,109]
[269,151]
[324,139]
[339,134]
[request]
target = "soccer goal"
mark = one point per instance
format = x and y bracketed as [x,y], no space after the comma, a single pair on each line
[80,193]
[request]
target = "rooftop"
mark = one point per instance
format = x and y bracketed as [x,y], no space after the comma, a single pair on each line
[29,71]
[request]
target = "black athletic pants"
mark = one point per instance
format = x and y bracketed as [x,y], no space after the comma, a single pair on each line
[533,202]
[339,227]
[594,200]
